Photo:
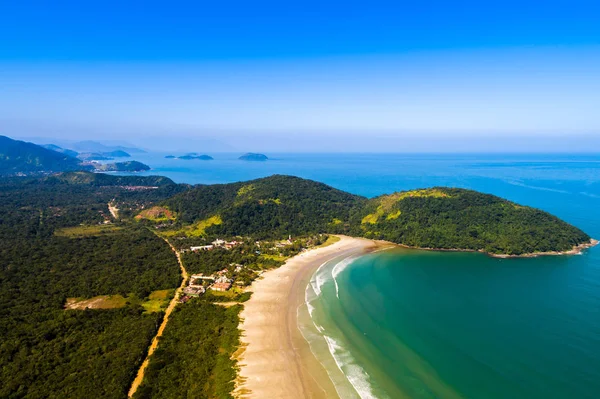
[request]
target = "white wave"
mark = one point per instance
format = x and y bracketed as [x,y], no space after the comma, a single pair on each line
[355,374]
[337,269]
[318,280]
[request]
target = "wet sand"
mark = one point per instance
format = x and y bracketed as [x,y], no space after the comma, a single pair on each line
[275,360]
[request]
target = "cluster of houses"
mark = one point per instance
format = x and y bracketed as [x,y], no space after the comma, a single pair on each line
[218,243]
[218,282]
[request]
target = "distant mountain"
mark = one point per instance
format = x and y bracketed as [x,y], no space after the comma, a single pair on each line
[56,148]
[129,166]
[250,156]
[22,158]
[93,156]
[117,154]
[94,146]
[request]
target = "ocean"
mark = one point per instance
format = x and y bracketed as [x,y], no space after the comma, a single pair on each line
[421,324]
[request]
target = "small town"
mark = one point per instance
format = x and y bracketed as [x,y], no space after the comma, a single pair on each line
[253,258]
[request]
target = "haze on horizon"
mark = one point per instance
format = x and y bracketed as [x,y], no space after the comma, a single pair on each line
[307,77]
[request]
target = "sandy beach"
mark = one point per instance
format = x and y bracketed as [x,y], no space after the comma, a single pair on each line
[275,360]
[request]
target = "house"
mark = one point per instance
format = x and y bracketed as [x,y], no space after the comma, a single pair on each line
[218,242]
[222,279]
[231,244]
[195,290]
[202,248]
[223,286]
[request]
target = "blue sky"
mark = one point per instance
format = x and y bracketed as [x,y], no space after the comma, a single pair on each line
[278,75]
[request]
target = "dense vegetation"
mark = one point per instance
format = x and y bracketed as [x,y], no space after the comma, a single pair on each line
[19,157]
[272,207]
[433,218]
[193,359]
[47,256]
[448,218]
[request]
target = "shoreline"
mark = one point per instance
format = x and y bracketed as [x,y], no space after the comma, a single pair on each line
[275,360]
[576,250]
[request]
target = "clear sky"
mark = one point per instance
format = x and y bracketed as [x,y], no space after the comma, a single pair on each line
[282,75]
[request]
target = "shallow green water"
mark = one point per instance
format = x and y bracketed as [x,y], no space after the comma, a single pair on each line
[441,325]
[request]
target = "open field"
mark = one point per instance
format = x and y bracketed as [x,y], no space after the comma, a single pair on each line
[87,231]
[157,301]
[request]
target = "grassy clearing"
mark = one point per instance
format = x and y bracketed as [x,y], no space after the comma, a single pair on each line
[195,230]
[245,189]
[278,258]
[387,202]
[87,231]
[157,214]
[97,302]
[157,301]
[330,241]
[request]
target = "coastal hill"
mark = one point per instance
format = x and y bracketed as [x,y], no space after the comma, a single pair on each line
[20,157]
[453,218]
[441,218]
[250,156]
[129,166]
[275,206]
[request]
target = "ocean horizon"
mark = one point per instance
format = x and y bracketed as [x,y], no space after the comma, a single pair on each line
[426,324]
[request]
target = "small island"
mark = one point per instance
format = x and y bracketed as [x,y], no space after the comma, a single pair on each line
[250,156]
[129,166]
[200,157]
[170,157]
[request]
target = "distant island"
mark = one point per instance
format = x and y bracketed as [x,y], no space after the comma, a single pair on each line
[200,157]
[129,166]
[251,156]
[190,156]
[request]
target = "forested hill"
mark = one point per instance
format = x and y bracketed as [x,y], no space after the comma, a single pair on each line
[444,218]
[270,207]
[20,157]
[452,218]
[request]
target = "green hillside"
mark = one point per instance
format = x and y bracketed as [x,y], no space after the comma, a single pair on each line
[270,207]
[449,218]
[20,157]
[444,218]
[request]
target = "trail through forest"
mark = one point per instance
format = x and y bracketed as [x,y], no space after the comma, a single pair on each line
[140,374]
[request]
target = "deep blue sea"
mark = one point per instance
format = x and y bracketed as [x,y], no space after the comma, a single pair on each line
[419,324]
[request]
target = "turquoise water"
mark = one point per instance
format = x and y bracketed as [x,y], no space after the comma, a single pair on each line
[418,324]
